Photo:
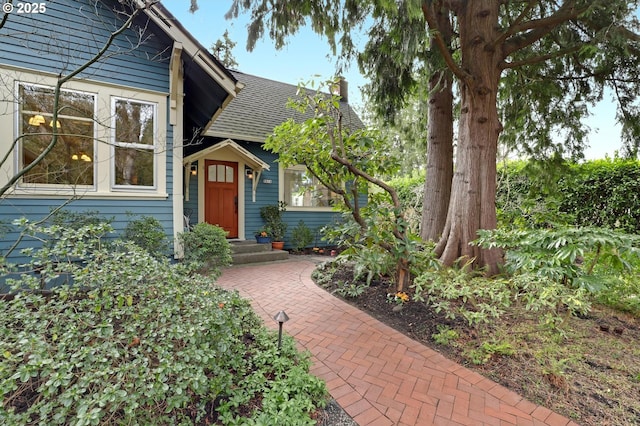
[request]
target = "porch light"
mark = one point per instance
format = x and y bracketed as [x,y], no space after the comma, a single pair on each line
[281,317]
[194,169]
[249,173]
[36,120]
[82,156]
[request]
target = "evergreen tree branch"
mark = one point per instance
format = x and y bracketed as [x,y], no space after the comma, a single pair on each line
[510,31]
[536,29]
[541,58]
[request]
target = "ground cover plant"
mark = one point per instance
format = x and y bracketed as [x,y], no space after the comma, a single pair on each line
[133,339]
[561,328]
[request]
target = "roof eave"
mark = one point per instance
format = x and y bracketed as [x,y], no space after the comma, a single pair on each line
[192,47]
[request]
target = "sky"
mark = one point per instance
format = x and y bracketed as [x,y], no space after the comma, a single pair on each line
[306,57]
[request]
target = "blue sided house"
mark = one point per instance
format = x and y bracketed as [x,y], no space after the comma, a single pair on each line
[233,176]
[147,122]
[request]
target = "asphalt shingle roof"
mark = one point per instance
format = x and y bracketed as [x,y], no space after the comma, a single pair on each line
[262,105]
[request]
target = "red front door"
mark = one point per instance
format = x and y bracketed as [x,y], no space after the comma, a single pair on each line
[221,195]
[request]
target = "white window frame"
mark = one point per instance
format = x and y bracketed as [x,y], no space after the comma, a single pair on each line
[18,158]
[103,93]
[282,189]
[117,144]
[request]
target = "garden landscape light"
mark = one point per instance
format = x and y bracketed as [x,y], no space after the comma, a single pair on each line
[281,317]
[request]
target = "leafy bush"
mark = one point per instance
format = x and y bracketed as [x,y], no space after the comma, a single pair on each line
[410,190]
[460,292]
[206,248]
[275,226]
[567,255]
[135,340]
[528,195]
[147,233]
[371,263]
[604,193]
[599,193]
[350,289]
[301,236]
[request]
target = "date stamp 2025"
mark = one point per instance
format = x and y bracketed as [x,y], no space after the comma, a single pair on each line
[24,7]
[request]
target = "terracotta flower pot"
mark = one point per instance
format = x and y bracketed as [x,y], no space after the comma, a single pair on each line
[277,245]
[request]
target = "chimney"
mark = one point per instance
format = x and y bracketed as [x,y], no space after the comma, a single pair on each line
[343,90]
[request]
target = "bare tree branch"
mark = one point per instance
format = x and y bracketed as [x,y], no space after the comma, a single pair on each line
[56,97]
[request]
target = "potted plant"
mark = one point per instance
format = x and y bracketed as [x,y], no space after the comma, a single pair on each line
[274,225]
[262,236]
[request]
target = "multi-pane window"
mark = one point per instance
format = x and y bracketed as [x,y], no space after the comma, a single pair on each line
[303,190]
[68,144]
[220,173]
[134,125]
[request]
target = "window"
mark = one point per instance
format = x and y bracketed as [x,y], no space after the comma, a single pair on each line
[303,190]
[134,127]
[220,173]
[71,160]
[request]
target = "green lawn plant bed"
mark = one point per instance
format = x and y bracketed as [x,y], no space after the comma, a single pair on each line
[139,341]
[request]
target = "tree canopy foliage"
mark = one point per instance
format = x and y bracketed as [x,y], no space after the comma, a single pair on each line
[546,62]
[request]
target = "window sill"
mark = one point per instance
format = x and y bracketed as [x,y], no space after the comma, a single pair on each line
[84,194]
[310,209]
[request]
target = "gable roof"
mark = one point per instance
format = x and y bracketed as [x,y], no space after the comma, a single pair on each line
[261,106]
[203,100]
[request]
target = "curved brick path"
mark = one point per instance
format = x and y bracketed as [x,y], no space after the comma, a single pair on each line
[379,376]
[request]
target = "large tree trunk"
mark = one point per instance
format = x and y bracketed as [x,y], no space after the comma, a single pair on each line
[472,205]
[437,185]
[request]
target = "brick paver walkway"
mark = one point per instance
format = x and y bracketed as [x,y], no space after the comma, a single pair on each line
[379,376]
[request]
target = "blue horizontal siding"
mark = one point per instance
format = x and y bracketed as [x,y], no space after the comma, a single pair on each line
[266,193]
[71,32]
[58,41]
[313,220]
[115,211]
[269,194]
[191,206]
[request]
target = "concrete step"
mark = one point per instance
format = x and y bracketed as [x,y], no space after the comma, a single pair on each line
[260,256]
[238,247]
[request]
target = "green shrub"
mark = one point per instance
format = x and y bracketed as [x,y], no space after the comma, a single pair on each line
[147,233]
[135,340]
[77,219]
[604,193]
[446,336]
[567,255]
[411,193]
[275,226]
[460,292]
[206,248]
[599,193]
[301,236]
[371,263]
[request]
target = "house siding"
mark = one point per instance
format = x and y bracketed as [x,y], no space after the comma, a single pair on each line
[69,33]
[56,42]
[268,194]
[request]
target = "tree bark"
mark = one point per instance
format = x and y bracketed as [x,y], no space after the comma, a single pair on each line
[437,184]
[439,173]
[472,204]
